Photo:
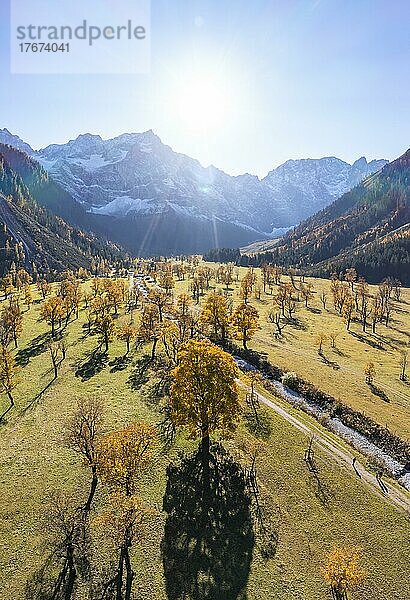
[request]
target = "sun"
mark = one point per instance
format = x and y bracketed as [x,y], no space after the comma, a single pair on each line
[202,104]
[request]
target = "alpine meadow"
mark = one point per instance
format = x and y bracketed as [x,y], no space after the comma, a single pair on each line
[204,300]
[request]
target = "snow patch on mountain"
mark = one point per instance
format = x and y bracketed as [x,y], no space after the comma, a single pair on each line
[123,206]
[135,173]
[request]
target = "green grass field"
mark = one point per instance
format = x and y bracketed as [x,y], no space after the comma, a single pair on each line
[303,521]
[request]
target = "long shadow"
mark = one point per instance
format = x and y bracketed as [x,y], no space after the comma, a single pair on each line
[66,557]
[339,352]
[207,557]
[119,363]
[322,490]
[379,392]
[37,397]
[139,375]
[260,427]
[329,363]
[315,311]
[37,346]
[96,361]
[367,341]
[297,323]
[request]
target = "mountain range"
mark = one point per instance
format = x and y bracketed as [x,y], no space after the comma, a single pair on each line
[367,228]
[137,191]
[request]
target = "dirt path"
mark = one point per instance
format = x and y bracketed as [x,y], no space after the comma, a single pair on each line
[394,495]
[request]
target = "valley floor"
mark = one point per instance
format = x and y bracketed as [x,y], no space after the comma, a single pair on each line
[306,514]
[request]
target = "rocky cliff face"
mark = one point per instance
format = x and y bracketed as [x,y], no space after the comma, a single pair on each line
[135,178]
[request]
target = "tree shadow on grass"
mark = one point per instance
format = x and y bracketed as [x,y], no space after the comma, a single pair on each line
[37,346]
[297,323]
[260,427]
[320,487]
[315,311]
[329,363]
[119,363]
[67,554]
[139,375]
[379,392]
[368,341]
[339,352]
[207,557]
[95,363]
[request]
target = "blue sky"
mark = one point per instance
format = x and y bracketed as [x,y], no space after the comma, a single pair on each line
[305,78]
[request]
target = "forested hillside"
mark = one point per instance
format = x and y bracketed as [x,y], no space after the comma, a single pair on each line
[31,235]
[366,228]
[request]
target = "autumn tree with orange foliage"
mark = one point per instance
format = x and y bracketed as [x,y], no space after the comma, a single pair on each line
[127,333]
[244,321]
[343,571]
[215,316]
[104,326]
[204,395]
[13,319]
[150,327]
[52,312]
[7,377]
[124,454]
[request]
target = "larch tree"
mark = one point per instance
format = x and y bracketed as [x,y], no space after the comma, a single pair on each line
[348,311]
[306,290]
[320,340]
[28,297]
[44,288]
[323,299]
[247,285]
[204,396]
[6,333]
[369,372]
[6,284]
[245,321]
[351,277]
[376,312]
[333,335]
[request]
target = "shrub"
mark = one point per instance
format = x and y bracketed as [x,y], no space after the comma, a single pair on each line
[291,380]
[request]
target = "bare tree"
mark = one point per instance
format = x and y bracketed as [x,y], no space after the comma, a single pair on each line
[323,299]
[83,432]
[403,364]
[57,353]
[276,319]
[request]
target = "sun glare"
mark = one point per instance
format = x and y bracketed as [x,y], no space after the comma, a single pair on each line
[202,104]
